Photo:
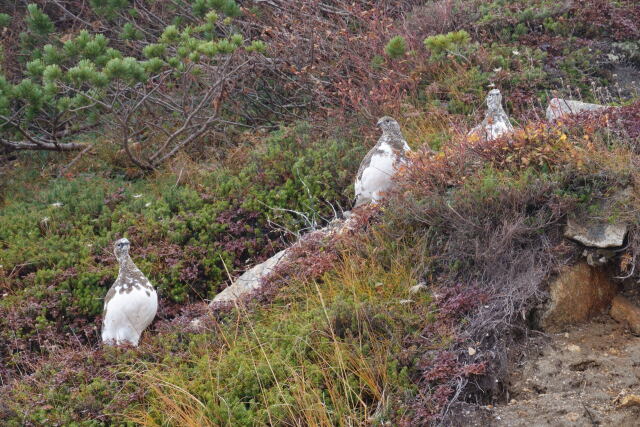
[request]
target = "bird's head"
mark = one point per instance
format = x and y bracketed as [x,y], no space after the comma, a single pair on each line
[389,125]
[121,248]
[494,100]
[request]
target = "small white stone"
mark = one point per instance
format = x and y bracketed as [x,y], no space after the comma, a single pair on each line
[417,288]
[57,204]
[573,348]
[137,196]
[195,324]
[471,351]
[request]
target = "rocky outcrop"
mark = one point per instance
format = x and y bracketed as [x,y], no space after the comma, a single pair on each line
[627,313]
[252,280]
[559,107]
[577,294]
[596,234]
[601,238]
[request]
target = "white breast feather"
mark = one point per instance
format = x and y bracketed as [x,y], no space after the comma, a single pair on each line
[378,176]
[128,314]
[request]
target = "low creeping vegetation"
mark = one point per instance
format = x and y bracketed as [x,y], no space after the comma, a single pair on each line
[336,337]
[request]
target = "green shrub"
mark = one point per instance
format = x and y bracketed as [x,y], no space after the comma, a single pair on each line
[5,20]
[396,47]
[441,45]
[90,80]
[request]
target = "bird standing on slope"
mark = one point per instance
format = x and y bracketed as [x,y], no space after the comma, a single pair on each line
[496,122]
[131,303]
[379,165]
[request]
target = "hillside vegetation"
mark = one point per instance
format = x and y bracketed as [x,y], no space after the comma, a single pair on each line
[212,134]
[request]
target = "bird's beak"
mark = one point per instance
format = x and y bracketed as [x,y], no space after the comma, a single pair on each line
[379,122]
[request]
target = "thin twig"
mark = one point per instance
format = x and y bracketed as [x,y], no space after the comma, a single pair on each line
[75,160]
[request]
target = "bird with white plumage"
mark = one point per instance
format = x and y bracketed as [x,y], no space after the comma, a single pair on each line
[130,304]
[496,122]
[375,175]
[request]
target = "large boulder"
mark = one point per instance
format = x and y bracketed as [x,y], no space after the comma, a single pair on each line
[559,107]
[577,294]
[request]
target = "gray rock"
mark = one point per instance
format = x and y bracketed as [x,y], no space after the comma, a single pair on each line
[559,107]
[596,234]
[251,280]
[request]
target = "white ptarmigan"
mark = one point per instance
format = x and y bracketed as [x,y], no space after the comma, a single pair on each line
[375,175]
[496,122]
[131,303]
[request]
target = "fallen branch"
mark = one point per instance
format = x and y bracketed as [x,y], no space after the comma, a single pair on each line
[75,160]
[41,145]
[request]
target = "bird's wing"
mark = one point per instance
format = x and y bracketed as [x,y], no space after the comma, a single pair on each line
[367,160]
[110,293]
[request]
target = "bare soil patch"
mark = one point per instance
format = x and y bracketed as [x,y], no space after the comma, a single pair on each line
[578,378]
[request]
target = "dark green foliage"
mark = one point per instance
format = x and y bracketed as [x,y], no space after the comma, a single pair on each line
[185,238]
[39,27]
[38,22]
[396,47]
[5,20]
[129,32]
[96,79]
[109,8]
[337,334]
[456,42]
